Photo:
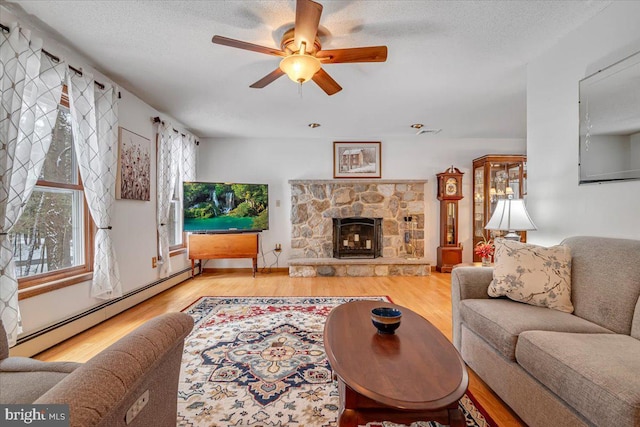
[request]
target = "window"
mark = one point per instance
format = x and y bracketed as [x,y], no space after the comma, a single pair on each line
[52,239]
[175,217]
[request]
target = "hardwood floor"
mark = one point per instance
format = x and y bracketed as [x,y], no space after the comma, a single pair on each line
[429,296]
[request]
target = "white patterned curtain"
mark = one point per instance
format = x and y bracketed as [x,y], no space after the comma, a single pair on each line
[31,86]
[188,158]
[94,123]
[167,170]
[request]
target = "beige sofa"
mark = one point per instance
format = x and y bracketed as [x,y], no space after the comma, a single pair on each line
[101,391]
[554,368]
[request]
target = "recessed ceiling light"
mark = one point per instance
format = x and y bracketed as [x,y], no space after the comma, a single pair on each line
[314,125]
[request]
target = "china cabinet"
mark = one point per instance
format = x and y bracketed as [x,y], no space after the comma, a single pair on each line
[449,193]
[495,177]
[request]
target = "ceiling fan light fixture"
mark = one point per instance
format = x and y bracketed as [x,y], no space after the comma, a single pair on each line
[301,51]
[300,67]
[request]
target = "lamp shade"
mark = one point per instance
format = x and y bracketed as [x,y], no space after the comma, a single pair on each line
[300,67]
[510,215]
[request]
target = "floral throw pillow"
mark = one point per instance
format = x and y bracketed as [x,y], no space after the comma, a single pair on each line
[533,274]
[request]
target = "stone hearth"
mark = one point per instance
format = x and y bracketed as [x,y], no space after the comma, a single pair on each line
[314,204]
[328,267]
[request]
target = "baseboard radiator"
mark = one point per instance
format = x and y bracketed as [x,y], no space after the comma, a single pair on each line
[51,335]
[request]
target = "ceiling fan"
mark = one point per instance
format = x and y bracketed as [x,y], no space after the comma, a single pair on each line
[302,52]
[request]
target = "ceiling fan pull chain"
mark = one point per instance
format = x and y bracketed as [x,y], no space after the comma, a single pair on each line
[300,89]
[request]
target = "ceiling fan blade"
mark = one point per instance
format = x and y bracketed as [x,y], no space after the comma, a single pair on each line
[326,82]
[247,46]
[272,76]
[307,20]
[356,54]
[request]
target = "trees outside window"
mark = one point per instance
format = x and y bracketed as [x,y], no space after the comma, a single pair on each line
[51,241]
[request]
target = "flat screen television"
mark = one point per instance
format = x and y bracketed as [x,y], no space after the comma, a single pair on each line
[225,207]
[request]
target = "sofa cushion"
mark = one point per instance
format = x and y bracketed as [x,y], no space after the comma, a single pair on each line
[26,364]
[500,321]
[590,372]
[23,379]
[605,281]
[26,387]
[533,274]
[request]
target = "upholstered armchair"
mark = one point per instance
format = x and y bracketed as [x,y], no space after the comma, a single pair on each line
[102,391]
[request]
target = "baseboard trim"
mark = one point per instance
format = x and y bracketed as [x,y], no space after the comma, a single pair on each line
[51,335]
[261,270]
[268,270]
[226,270]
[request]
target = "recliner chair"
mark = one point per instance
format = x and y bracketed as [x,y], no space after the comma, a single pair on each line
[101,391]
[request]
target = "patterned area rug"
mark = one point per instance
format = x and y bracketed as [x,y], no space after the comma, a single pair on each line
[260,362]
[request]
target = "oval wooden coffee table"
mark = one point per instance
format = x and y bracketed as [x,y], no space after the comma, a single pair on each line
[413,375]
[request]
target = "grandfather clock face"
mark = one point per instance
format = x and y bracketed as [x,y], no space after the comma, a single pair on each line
[451,187]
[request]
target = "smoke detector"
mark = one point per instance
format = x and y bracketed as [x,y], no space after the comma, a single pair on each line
[430,131]
[423,130]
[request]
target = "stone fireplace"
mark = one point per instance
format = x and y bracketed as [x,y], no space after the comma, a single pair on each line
[316,204]
[357,237]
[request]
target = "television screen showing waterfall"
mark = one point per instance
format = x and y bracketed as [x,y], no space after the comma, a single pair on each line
[219,207]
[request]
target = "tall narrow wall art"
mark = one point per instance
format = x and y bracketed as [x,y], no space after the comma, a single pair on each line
[134,166]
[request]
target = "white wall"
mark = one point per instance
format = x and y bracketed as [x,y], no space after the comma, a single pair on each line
[276,161]
[134,225]
[559,207]
[634,161]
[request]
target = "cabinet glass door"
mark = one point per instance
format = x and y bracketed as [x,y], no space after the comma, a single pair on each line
[504,182]
[515,172]
[478,201]
[495,177]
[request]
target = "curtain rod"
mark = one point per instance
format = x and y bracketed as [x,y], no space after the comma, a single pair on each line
[158,120]
[57,59]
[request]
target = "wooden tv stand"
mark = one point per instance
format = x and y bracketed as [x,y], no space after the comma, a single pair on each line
[220,246]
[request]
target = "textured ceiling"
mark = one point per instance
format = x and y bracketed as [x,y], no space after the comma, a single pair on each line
[459,66]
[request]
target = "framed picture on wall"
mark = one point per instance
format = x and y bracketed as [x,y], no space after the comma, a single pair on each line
[133,180]
[357,159]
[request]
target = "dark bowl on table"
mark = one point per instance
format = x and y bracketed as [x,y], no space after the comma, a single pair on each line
[386,319]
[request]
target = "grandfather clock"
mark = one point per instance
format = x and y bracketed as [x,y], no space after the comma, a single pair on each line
[449,192]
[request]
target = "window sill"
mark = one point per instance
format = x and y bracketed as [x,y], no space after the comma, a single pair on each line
[177,251]
[53,285]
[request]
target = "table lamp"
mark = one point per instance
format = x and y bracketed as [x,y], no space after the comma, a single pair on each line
[510,215]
